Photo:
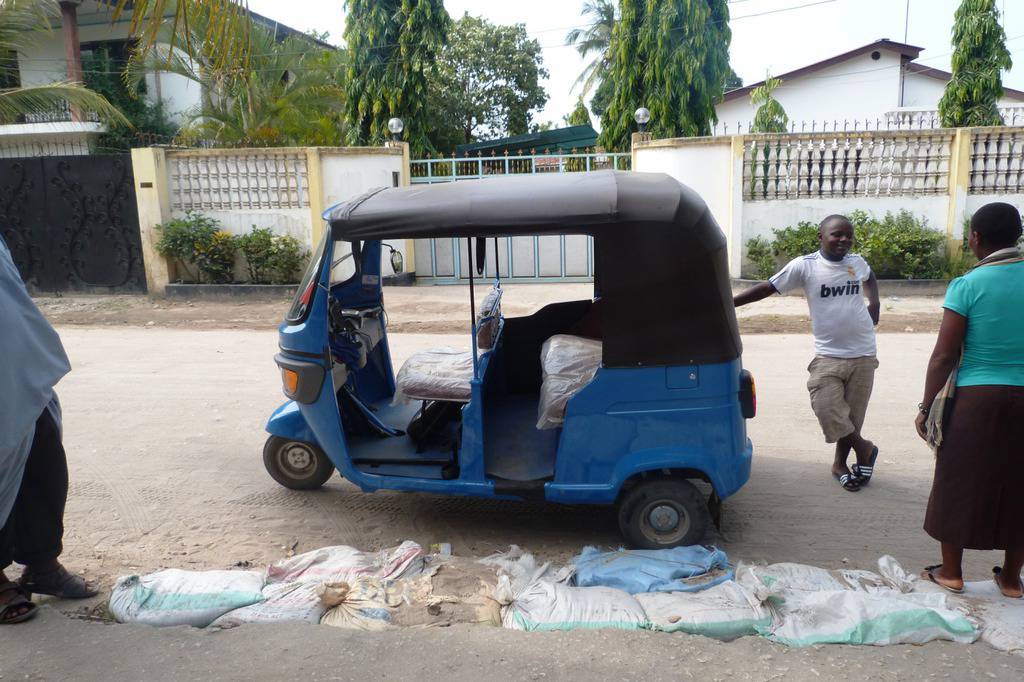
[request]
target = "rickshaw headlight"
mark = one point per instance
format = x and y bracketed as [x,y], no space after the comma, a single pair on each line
[290,379]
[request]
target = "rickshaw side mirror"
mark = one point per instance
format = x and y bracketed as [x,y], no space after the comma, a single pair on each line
[397,262]
[481,255]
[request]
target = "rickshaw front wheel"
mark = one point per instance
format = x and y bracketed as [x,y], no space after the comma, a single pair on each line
[296,464]
[660,513]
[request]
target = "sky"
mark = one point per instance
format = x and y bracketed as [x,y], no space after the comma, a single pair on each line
[767,35]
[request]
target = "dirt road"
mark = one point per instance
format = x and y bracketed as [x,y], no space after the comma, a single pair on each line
[164,427]
[164,430]
[436,310]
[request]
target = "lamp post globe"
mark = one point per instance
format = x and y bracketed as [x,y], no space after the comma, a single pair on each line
[396,126]
[642,116]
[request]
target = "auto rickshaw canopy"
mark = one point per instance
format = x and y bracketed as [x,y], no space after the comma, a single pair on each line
[660,261]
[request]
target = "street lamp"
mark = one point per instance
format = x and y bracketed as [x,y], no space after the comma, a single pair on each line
[396,126]
[642,116]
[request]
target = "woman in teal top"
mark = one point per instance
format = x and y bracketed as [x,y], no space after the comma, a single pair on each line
[977,500]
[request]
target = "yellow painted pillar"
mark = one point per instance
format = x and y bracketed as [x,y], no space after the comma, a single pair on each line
[404,181]
[958,186]
[315,186]
[152,195]
[734,230]
[636,141]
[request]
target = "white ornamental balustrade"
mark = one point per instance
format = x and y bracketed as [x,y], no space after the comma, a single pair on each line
[237,179]
[846,164]
[997,161]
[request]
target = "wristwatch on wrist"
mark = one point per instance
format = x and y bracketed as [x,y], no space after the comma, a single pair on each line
[922,409]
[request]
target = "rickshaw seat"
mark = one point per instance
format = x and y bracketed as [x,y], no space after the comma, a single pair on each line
[568,363]
[435,374]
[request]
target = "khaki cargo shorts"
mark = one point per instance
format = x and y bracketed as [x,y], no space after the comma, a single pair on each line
[840,389]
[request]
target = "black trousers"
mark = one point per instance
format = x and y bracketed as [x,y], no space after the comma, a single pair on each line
[34,531]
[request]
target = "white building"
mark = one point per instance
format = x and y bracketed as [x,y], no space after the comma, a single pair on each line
[86,26]
[880,85]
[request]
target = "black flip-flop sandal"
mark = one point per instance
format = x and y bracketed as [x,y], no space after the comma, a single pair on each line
[17,603]
[866,471]
[930,575]
[996,572]
[848,481]
[59,583]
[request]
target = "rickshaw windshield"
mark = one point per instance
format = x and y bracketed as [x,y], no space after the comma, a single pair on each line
[304,294]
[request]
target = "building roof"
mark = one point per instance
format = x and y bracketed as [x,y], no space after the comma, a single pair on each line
[908,52]
[944,76]
[557,140]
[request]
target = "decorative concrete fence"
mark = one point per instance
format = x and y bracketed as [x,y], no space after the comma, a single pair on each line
[757,183]
[285,189]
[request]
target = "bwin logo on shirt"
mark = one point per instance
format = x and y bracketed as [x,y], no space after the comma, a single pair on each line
[847,289]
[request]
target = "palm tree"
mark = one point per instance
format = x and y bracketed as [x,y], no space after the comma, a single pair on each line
[226,26]
[20,23]
[287,94]
[594,38]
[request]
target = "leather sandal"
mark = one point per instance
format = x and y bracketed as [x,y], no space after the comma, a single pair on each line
[59,583]
[9,610]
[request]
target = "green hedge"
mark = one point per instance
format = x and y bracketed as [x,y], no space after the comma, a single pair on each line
[208,253]
[897,246]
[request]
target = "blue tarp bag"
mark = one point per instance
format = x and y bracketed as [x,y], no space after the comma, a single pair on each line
[680,569]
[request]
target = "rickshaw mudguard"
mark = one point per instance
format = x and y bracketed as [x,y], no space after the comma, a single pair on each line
[634,420]
[287,422]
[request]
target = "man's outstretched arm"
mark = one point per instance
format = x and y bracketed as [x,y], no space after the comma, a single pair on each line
[874,304]
[757,292]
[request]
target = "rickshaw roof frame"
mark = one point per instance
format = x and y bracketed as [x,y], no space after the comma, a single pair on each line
[660,258]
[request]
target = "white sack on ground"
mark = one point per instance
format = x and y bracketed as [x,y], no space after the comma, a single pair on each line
[853,617]
[343,564]
[546,606]
[365,603]
[1002,619]
[175,597]
[725,611]
[435,374]
[451,590]
[568,364]
[282,603]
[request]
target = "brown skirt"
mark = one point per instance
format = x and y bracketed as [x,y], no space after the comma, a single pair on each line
[977,499]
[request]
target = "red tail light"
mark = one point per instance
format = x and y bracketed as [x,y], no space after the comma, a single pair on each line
[748,395]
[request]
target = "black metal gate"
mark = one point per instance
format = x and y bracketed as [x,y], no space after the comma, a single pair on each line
[72,223]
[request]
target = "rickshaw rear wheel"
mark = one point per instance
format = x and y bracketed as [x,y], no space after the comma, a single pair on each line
[660,513]
[296,464]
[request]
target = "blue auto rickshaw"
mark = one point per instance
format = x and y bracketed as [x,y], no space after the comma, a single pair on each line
[636,398]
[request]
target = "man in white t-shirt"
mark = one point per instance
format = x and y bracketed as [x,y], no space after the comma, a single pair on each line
[842,373]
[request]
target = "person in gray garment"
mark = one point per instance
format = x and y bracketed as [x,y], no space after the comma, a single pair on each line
[33,466]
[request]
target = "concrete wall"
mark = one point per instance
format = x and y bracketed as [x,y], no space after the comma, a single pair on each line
[967,164]
[285,190]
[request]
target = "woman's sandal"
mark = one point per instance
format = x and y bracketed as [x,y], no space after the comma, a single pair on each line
[848,481]
[996,572]
[864,472]
[59,583]
[929,574]
[9,611]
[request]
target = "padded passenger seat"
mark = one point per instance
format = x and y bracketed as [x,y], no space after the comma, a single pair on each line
[568,363]
[445,373]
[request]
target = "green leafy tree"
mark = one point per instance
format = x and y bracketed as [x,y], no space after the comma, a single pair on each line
[602,97]
[732,80]
[579,116]
[289,94]
[671,56]
[979,57]
[21,22]
[770,117]
[595,38]
[391,46]
[485,83]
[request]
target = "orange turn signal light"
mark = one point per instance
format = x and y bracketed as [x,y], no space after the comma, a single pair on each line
[290,379]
